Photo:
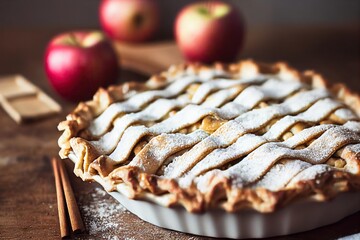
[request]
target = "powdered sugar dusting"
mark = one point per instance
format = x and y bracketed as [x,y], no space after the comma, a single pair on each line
[153,112]
[100,214]
[250,121]
[281,173]
[259,157]
[218,84]
[105,218]
[159,148]
[134,103]
[253,166]
[273,88]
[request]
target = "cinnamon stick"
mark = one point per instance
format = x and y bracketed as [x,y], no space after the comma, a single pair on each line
[77,224]
[64,230]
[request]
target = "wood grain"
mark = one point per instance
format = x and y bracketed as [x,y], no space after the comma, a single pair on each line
[27,190]
[23,101]
[150,58]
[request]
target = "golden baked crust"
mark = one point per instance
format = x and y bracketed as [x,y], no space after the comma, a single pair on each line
[307,149]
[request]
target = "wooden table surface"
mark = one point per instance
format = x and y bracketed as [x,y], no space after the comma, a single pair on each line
[28,207]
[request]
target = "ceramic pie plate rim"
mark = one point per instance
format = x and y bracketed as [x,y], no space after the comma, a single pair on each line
[304,215]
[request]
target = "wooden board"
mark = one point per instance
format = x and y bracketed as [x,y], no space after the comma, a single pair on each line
[23,101]
[150,58]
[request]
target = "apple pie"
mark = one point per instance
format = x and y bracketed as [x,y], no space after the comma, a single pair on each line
[232,136]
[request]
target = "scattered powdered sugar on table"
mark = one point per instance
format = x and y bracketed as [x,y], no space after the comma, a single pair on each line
[106,218]
[101,213]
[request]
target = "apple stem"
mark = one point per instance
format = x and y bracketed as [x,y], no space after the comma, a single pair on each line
[138,20]
[209,6]
[72,39]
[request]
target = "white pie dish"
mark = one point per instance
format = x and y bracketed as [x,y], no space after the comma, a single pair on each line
[306,214]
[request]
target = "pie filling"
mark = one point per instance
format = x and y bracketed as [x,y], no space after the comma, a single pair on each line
[233,136]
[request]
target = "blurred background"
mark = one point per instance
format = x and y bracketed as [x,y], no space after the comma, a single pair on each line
[310,34]
[258,13]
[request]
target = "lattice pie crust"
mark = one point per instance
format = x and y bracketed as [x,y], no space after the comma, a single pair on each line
[230,136]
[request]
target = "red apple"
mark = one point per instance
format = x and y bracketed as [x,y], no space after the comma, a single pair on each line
[129,20]
[209,31]
[78,63]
